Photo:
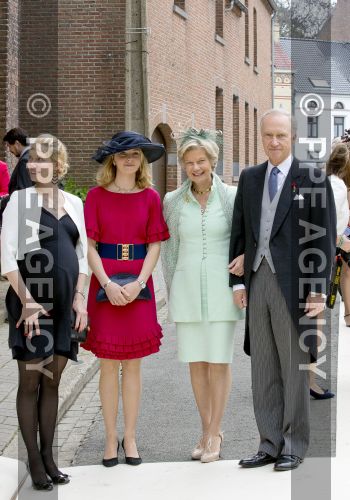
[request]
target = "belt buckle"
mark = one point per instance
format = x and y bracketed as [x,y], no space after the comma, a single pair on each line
[127,251]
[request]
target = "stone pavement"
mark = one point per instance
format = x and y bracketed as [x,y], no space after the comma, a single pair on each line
[74,379]
[321,478]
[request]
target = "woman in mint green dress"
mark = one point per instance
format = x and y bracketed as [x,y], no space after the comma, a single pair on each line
[195,265]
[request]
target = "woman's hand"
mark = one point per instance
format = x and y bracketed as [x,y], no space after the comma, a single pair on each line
[133,289]
[81,313]
[117,295]
[31,311]
[346,244]
[237,266]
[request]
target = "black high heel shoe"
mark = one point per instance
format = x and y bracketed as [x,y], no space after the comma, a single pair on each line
[325,395]
[131,460]
[46,486]
[111,462]
[41,485]
[60,478]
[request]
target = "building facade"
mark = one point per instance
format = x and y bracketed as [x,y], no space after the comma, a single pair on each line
[83,70]
[320,92]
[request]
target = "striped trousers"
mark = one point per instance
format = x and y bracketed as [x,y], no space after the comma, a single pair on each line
[280,388]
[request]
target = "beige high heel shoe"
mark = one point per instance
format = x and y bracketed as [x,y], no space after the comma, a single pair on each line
[198,451]
[209,455]
[347,322]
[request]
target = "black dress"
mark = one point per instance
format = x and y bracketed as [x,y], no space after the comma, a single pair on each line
[51,275]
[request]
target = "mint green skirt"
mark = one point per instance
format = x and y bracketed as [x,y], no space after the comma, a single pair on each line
[207,341]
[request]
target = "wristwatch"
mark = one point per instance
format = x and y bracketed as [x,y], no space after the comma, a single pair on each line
[141,283]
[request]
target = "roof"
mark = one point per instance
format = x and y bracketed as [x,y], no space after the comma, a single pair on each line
[316,60]
[281,58]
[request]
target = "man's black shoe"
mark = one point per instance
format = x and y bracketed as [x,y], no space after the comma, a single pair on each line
[259,460]
[287,462]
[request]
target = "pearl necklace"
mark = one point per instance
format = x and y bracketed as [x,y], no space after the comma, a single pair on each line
[197,191]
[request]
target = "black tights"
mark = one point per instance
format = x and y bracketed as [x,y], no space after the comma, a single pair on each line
[37,403]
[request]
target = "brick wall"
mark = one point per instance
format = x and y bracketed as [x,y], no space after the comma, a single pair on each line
[38,66]
[74,52]
[186,64]
[8,69]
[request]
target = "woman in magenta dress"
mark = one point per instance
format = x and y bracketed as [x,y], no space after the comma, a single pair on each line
[125,226]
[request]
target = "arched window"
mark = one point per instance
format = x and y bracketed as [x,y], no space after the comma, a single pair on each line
[312,105]
[338,105]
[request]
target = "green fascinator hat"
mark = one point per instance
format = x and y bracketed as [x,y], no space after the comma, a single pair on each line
[194,134]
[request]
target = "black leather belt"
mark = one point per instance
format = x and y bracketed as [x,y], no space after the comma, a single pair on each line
[122,251]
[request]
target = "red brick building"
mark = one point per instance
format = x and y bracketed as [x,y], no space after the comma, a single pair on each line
[210,67]
[85,69]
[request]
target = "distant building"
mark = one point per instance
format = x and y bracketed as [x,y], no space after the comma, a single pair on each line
[336,28]
[283,76]
[84,70]
[320,98]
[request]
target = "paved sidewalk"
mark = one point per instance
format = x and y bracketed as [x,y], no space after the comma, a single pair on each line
[74,379]
[192,481]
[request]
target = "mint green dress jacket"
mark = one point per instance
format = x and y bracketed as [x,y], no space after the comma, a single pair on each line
[200,260]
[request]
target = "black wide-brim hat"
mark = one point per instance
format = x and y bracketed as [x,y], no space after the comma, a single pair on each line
[129,140]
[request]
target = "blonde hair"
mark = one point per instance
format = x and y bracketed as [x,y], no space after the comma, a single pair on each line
[48,146]
[339,162]
[210,147]
[107,173]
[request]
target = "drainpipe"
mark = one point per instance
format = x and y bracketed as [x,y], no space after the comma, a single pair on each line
[145,73]
[273,57]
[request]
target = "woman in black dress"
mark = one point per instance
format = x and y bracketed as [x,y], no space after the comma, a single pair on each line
[43,255]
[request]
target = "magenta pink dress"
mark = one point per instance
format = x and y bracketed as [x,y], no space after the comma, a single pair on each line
[131,331]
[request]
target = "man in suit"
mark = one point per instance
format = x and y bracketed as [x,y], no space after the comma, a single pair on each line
[284,222]
[16,141]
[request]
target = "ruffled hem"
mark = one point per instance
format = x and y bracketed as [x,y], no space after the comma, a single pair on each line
[161,235]
[137,349]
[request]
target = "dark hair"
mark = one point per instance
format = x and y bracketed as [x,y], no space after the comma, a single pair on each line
[339,163]
[16,134]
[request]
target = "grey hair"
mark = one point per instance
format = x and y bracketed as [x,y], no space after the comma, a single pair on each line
[283,112]
[210,147]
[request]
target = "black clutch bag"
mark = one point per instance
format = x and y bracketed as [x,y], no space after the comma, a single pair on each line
[123,279]
[76,336]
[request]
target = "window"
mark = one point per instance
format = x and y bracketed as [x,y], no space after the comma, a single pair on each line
[235,134]
[338,126]
[338,105]
[312,126]
[219,125]
[323,84]
[219,18]
[312,105]
[179,8]
[247,135]
[180,4]
[255,25]
[255,136]
[246,42]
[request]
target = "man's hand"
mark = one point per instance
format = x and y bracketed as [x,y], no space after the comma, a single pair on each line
[237,266]
[314,305]
[240,298]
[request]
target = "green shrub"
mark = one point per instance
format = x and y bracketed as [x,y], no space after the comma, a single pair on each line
[71,187]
